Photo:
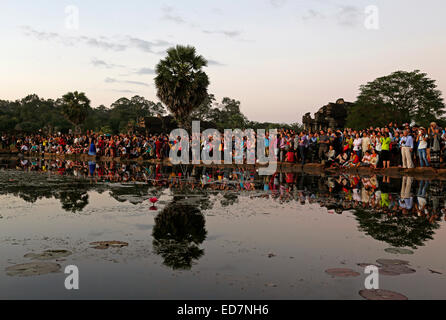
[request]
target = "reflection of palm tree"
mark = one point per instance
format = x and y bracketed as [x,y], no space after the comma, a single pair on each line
[179,229]
[398,231]
[73,200]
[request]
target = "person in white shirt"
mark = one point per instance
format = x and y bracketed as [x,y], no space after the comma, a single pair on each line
[422,147]
[365,142]
[357,146]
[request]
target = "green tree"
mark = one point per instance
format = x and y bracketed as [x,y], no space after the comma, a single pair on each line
[365,115]
[204,110]
[181,82]
[126,110]
[228,115]
[402,97]
[31,114]
[75,106]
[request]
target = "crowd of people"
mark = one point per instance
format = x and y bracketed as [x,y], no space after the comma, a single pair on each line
[403,146]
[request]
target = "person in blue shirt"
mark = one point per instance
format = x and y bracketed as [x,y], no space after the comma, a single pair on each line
[406,144]
[92,150]
[266,142]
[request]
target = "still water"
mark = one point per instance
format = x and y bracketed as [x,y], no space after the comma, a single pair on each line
[213,233]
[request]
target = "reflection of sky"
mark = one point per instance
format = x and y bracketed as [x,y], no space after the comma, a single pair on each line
[306,240]
[280,58]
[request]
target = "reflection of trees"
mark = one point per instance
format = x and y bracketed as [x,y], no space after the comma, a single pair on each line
[229,199]
[30,187]
[73,201]
[137,192]
[28,194]
[195,197]
[179,230]
[398,231]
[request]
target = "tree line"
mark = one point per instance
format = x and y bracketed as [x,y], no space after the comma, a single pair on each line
[33,113]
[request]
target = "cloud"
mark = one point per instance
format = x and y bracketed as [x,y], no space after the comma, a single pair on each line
[228,33]
[102,43]
[168,15]
[214,63]
[217,11]
[39,34]
[146,46]
[101,63]
[124,91]
[121,44]
[313,14]
[349,15]
[277,3]
[110,80]
[343,15]
[130,71]
[176,19]
[138,83]
[144,71]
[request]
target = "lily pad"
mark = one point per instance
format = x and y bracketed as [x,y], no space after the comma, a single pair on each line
[398,251]
[388,272]
[364,265]
[272,285]
[396,270]
[49,255]
[392,262]
[381,294]
[342,272]
[33,269]
[102,245]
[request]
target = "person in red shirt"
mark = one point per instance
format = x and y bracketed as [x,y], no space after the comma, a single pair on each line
[355,159]
[100,145]
[290,155]
[158,145]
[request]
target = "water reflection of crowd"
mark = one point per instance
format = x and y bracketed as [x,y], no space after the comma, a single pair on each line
[401,212]
[391,197]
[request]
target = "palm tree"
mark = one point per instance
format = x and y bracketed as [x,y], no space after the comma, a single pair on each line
[75,107]
[181,82]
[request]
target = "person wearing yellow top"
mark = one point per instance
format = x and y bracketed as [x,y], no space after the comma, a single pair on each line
[385,149]
[385,202]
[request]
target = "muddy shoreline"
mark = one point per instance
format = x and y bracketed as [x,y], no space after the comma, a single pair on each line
[284,167]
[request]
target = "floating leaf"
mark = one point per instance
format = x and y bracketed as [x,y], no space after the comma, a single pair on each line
[32,269]
[396,270]
[364,265]
[381,294]
[398,251]
[388,272]
[342,272]
[392,262]
[49,255]
[272,285]
[102,245]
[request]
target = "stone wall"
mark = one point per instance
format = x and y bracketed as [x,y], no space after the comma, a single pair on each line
[331,116]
